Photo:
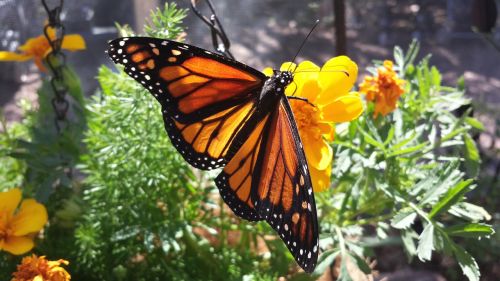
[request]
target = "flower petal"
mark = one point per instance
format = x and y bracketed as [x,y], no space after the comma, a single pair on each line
[336,78]
[9,200]
[318,152]
[344,109]
[306,78]
[11,56]
[288,66]
[31,217]
[18,245]
[321,178]
[268,71]
[73,42]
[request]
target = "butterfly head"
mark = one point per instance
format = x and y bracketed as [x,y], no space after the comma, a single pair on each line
[282,78]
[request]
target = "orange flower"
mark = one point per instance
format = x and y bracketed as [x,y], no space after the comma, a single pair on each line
[33,268]
[384,89]
[17,227]
[38,48]
[329,101]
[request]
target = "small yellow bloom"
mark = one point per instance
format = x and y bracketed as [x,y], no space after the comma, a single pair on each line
[384,89]
[38,48]
[17,227]
[33,268]
[328,101]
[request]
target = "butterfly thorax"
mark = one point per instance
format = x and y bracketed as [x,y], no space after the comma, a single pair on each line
[274,87]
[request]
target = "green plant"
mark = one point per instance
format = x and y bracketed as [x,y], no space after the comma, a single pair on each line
[149,216]
[397,172]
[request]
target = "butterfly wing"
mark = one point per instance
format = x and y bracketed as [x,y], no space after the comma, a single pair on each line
[284,194]
[268,178]
[236,180]
[206,98]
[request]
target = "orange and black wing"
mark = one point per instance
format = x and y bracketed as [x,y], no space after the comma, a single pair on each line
[238,177]
[284,195]
[268,178]
[206,98]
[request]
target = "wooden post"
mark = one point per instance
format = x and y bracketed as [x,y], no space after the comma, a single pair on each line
[142,9]
[340,29]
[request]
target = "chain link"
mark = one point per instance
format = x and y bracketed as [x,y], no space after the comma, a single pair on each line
[56,60]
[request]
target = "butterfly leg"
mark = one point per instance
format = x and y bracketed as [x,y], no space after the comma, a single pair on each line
[301,99]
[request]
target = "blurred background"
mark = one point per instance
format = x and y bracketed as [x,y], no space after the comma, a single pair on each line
[269,32]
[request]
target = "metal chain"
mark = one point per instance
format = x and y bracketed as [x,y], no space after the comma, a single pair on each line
[216,28]
[56,60]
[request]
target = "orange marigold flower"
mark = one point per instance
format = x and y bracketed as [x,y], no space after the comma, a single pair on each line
[34,268]
[384,89]
[38,48]
[17,225]
[329,101]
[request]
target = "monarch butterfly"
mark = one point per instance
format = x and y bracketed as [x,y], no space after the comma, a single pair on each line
[221,113]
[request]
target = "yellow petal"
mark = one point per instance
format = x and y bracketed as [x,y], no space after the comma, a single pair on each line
[320,178]
[31,217]
[73,42]
[18,245]
[9,200]
[344,109]
[39,277]
[288,66]
[11,56]
[268,71]
[307,67]
[325,127]
[318,152]
[336,78]
[306,79]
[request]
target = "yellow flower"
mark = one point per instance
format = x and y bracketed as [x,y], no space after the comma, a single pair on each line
[17,227]
[33,268]
[328,102]
[38,48]
[384,89]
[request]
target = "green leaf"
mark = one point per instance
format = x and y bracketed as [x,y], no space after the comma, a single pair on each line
[325,260]
[360,263]
[472,230]
[449,176]
[454,195]
[467,263]
[399,57]
[403,220]
[472,159]
[408,237]
[408,150]
[436,77]
[426,243]
[469,211]
[369,139]
[412,52]
[474,123]
[390,135]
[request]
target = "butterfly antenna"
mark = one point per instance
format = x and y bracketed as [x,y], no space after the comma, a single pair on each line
[303,43]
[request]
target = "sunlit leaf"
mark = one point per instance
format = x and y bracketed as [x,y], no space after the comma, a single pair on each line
[467,263]
[472,230]
[453,195]
[426,243]
[403,220]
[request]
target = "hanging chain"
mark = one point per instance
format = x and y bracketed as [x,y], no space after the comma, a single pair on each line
[216,28]
[56,60]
